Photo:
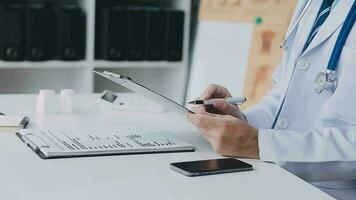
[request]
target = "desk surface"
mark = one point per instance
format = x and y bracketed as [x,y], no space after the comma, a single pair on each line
[25,176]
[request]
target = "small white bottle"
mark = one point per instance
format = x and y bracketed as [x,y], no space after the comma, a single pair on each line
[47,103]
[67,104]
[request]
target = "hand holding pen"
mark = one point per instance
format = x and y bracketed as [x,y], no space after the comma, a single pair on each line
[217,99]
[209,102]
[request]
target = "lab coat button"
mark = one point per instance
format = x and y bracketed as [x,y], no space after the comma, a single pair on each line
[283,123]
[303,65]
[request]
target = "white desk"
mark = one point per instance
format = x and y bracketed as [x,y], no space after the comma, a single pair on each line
[23,175]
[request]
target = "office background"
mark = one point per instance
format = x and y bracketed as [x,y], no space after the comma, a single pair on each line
[57,44]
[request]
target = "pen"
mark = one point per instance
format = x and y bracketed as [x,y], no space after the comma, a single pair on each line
[232,100]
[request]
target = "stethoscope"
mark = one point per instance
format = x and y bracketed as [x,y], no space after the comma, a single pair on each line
[327,81]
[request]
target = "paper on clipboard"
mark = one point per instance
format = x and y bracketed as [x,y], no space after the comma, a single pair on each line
[128,83]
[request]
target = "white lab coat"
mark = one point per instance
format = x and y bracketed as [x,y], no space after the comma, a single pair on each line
[315,134]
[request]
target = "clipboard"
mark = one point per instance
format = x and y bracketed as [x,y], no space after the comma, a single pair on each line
[128,83]
[100,141]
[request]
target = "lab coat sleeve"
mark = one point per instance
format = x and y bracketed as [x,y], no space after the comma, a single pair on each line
[329,148]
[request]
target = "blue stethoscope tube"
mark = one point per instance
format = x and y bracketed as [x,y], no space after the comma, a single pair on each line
[341,40]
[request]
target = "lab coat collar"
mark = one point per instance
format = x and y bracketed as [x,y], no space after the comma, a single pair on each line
[304,27]
[332,23]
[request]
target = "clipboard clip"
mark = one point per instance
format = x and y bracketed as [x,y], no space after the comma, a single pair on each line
[32,140]
[110,74]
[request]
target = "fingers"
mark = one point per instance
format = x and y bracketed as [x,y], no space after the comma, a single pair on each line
[215,91]
[203,120]
[199,109]
[205,110]
[202,110]
[225,107]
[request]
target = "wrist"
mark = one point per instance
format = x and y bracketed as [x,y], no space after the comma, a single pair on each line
[255,152]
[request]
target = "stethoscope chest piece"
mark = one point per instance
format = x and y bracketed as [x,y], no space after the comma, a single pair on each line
[325,81]
[328,80]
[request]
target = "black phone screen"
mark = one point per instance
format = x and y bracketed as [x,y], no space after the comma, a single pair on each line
[205,167]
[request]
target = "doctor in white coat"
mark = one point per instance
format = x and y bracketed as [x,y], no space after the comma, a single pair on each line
[310,134]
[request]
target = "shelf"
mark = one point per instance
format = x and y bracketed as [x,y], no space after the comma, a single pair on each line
[44,64]
[143,64]
[88,64]
[29,77]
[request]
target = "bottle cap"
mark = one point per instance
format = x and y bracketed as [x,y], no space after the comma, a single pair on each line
[67,92]
[46,102]
[46,93]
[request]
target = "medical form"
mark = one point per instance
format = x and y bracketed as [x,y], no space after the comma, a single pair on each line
[56,143]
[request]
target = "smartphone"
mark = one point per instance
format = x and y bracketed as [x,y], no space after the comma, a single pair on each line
[209,167]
